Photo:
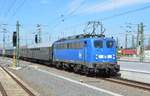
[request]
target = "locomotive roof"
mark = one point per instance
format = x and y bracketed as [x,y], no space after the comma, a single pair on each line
[82,36]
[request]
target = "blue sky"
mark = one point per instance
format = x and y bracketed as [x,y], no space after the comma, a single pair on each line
[76,13]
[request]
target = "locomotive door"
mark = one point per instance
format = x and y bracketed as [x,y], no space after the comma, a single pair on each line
[85,52]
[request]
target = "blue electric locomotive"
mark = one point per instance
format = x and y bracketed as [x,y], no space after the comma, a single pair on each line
[87,53]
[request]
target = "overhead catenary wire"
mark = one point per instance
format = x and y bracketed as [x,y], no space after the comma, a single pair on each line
[13,9]
[105,18]
[19,7]
[10,7]
[73,11]
[2,7]
[63,17]
[125,13]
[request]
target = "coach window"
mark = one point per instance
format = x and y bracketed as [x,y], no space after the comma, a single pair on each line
[81,44]
[59,46]
[56,46]
[67,45]
[98,44]
[109,44]
[73,45]
[62,45]
[70,46]
[76,45]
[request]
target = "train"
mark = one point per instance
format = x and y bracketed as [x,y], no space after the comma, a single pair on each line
[84,53]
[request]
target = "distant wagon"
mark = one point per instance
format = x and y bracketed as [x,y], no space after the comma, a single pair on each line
[128,52]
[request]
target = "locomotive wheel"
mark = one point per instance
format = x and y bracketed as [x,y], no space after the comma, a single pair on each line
[112,72]
[87,71]
[100,72]
[66,67]
[59,65]
[77,68]
[107,72]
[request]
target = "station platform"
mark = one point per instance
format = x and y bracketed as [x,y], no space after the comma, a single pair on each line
[10,86]
[135,71]
[134,59]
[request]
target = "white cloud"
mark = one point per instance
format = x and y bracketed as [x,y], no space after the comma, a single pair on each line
[106,5]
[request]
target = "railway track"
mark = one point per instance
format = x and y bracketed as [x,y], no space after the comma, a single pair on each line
[118,80]
[131,83]
[3,91]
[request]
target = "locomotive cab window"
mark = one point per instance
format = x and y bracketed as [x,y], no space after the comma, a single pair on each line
[98,44]
[110,44]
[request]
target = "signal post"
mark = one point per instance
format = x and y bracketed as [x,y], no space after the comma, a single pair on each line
[16,47]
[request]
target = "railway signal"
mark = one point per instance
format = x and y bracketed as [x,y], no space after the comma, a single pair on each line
[16,46]
[36,38]
[39,30]
[14,39]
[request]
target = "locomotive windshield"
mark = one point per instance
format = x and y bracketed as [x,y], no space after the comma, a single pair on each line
[110,44]
[98,44]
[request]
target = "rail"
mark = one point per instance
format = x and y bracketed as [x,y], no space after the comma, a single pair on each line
[2,90]
[18,82]
[131,83]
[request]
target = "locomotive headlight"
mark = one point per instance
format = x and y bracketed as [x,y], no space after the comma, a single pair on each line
[109,56]
[114,56]
[100,56]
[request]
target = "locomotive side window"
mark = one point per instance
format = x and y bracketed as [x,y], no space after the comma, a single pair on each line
[75,45]
[72,45]
[110,44]
[98,44]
